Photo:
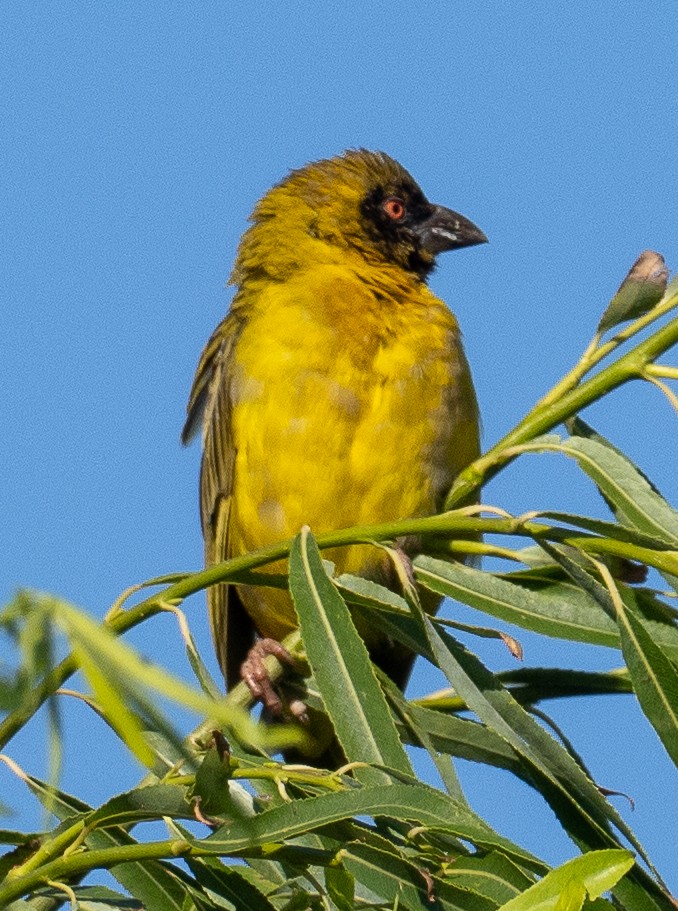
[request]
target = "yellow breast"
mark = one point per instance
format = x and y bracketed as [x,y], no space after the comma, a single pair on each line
[348,407]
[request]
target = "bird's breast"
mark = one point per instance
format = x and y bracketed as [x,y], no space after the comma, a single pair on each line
[345,413]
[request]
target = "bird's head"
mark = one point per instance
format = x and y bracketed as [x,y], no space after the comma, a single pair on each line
[361,203]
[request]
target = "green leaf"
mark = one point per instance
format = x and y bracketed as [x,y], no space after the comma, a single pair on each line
[530,685]
[579,428]
[658,618]
[117,662]
[654,677]
[398,880]
[483,632]
[563,783]
[341,665]
[564,889]
[605,529]
[114,707]
[147,802]
[90,898]
[464,738]
[216,790]
[340,887]
[155,883]
[357,590]
[203,676]
[229,883]
[539,608]
[641,290]
[625,487]
[10,837]
[212,783]
[443,764]
[494,876]
[415,802]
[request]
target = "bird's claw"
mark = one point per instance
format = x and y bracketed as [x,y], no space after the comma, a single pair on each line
[256,676]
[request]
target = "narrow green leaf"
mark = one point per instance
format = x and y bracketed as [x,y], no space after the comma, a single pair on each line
[604,598]
[340,887]
[228,883]
[397,880]
[89,898]
[494,876]
[125,722]
[465,738]
[145,803]
[419,736]
[579,428]
[655,678]
[341,665]
[624,486]
[212,781]
[483,632]
[565,785]
[542,609]
[571,897]
[120,663]
[605,529]
[154,883]
[593,874]
[558,606]
[658,618]
[356,590]
[402,627]
[207,682]
[415,802]
[530,685]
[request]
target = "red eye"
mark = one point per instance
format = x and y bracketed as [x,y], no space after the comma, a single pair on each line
[394,207]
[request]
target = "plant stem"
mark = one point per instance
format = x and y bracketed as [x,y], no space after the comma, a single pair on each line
[66,868]
[543,417]
[553,409]
[446,524]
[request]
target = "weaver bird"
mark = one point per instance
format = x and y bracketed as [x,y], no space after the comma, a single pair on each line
[335,392]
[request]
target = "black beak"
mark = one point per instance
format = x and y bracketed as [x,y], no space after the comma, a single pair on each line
[447,230]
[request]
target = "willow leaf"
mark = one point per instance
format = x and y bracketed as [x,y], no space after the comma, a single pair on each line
[399,880]
[566,887]
[543,610]
[414,802]
[571,793]
[655,678]
[625,487]
[341,665]
[155,883]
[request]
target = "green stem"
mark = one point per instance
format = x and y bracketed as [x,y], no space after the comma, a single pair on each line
[544,417]
[530,685]
[596,352]
[50,849]
[552,410]
[661,370]
[66,868]
[446,524]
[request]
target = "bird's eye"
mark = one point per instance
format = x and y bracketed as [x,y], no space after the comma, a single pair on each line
[394,207]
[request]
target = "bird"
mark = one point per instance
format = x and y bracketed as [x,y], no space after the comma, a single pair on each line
[335,392]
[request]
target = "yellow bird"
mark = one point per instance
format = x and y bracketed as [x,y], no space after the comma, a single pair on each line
[335,392]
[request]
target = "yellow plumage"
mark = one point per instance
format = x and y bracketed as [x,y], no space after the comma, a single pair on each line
[336,391]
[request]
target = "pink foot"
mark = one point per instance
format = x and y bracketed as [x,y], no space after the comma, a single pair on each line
[253,672]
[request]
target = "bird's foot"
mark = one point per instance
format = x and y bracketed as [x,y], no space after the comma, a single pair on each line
[257,678]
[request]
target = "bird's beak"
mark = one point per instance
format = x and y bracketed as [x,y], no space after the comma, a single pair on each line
[448,230]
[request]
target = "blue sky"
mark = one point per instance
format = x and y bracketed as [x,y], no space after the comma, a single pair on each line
[135,139]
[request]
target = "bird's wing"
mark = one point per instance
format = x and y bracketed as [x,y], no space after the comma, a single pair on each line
[209,405]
